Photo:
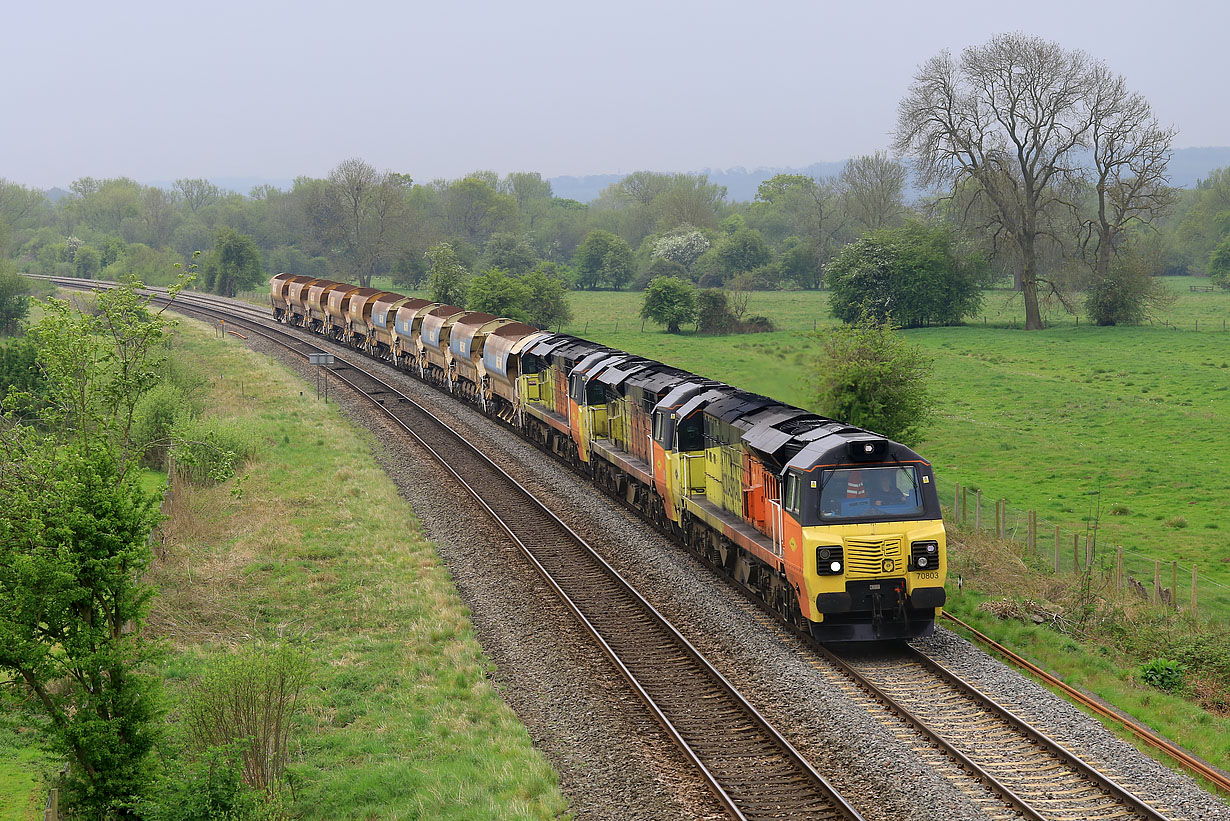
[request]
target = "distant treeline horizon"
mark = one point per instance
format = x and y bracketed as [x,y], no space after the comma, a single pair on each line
[1188,166]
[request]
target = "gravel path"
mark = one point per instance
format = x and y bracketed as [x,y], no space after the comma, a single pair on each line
[614,762]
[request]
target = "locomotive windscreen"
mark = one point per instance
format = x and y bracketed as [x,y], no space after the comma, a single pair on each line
[863,492]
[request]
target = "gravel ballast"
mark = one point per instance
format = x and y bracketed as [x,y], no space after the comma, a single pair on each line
[614,761]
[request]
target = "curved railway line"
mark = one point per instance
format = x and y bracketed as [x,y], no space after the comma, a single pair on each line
[752,769]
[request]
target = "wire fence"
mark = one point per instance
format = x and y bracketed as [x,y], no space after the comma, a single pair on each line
[1129,574]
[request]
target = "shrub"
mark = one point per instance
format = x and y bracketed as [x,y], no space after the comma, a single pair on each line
[914,274]
[156,413]
[206,451]
[1164,674]
[713,314]
[1127,294]
[669,302]
[247,703]
[868,376]
[209,787]
[757,325]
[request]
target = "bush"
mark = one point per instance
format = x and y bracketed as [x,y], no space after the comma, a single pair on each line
[868,376]
[155,416]
[757,325]
[1127,294]
[210,787]
[914,275]
[247,703]
[1164,674]
[206,451]
[713,314]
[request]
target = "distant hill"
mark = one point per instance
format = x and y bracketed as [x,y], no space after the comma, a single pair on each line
[1187,167]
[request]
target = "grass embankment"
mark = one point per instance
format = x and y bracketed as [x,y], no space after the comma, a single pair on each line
[313,545]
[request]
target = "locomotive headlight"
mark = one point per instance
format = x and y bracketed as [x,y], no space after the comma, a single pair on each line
[828,560]
[924,555]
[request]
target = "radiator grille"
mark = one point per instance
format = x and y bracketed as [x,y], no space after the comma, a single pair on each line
[866,558]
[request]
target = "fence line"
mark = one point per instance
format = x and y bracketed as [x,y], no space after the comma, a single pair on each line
[1132,573]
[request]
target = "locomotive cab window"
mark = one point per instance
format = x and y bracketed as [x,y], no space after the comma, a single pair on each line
[792,493]
[691,434]
[870,492]
[576,388]
[595,393]
[662,429]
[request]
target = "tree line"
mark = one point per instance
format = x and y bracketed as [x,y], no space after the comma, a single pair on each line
[1042,167]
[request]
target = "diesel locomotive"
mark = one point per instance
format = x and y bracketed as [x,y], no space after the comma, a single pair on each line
[835,528]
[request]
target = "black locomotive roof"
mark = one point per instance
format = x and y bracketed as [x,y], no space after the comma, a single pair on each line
[616,373]
[712,393]
[738,404]
[544,347]
[575,350]
[589,361]
[659,378]
[850,447]
[771,431]
[680,394]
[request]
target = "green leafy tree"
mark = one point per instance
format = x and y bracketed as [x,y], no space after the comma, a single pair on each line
[603,260]
[409,268]
[14,298]
[670,302]
[447,278]
[870,377]
[1219,264]
[495,292]
[510,252]
[75,526]
[234,265]
[548,302]
[744,250]
[914,274]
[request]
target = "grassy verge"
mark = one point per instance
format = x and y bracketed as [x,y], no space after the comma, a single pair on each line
[401,719]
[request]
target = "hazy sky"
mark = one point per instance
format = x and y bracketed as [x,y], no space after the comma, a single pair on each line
[161,90]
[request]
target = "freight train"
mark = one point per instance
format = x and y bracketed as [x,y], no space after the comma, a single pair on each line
[835,528]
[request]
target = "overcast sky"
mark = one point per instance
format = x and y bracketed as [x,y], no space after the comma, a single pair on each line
[161,90]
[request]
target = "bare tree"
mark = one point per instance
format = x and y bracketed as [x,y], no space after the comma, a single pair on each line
[874,185]
[364,207]
[198,193]
[1007,122]
[1130,151]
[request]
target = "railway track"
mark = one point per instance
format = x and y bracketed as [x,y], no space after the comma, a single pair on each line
[752,769]
[1019,772]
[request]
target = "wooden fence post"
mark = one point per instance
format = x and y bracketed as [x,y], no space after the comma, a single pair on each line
[1076,552]
[1174,585]
[1056,548]
[1157,582]
[1118,570]
[978,511]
